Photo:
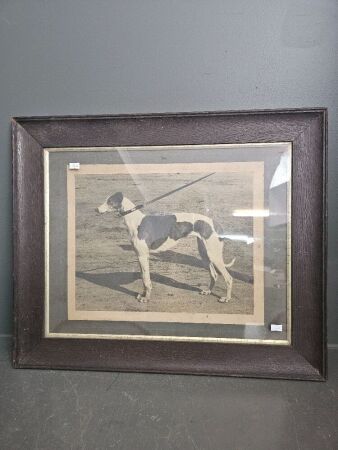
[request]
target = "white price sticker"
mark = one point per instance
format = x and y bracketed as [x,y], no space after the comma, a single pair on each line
[74,166]
[275,327]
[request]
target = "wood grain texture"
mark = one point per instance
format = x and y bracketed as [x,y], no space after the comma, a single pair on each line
[306,129]
[28,227]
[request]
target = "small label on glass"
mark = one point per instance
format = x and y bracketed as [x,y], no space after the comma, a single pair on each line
[275,327]
[74,166]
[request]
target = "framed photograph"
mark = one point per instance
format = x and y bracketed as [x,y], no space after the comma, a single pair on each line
[178,243]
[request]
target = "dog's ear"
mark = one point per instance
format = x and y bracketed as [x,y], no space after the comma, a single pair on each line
[115,199]
[118,197]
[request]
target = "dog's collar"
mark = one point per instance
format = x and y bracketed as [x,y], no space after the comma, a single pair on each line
[124,213]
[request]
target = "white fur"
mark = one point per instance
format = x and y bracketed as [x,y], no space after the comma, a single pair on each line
[213,246]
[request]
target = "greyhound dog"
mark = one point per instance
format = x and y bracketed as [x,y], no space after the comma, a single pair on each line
[158,233]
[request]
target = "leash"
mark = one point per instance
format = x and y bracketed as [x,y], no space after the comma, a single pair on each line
[142,205]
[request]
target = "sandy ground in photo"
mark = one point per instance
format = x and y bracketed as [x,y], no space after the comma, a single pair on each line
[107,270]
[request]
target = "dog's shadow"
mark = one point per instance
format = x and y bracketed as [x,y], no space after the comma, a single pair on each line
[117,281]
[172,257]
[189,260]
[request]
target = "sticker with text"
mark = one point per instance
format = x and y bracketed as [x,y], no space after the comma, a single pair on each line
[74,166]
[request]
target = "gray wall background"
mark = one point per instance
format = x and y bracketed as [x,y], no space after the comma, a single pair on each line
[128,56]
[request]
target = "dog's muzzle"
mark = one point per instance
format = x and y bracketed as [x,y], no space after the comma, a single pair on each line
[102,209]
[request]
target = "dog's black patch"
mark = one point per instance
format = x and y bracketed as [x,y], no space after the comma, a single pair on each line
[203,252]
[180,230]
[219,230]
[218,227]
[115,200]
[203,229]
[155,228]
[156,244]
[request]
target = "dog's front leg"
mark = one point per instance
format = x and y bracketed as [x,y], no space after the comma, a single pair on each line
[144,264]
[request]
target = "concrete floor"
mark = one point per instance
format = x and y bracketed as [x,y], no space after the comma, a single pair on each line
[86,410]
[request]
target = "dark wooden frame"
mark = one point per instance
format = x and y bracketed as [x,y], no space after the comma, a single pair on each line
[304,359]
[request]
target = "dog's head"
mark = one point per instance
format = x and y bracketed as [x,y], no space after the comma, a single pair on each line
[112,204]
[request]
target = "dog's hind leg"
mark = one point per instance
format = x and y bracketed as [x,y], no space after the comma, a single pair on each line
[205,258]
[213,278]
[214,249]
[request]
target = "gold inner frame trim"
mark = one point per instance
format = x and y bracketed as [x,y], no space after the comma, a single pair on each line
[156,337]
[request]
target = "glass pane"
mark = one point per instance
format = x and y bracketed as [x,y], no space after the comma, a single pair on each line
[181,242]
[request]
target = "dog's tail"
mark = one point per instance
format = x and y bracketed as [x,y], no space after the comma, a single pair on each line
[230,264]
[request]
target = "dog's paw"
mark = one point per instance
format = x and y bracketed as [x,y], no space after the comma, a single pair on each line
[142,299]
[205,292]
[224,300]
